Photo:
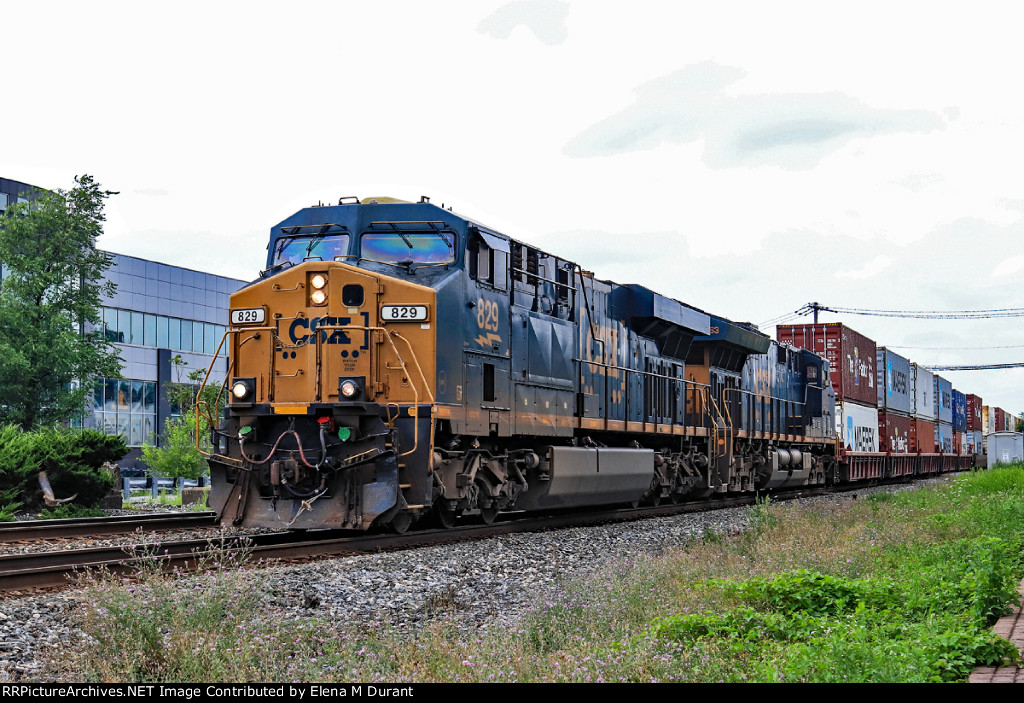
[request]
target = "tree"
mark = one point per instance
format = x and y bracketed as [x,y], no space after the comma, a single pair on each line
[51,338]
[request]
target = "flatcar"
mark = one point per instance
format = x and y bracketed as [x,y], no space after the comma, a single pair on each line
[397,362]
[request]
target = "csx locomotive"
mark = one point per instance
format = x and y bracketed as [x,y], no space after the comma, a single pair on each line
[397,361]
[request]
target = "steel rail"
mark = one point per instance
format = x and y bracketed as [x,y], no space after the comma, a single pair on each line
[20,572]
[94,526]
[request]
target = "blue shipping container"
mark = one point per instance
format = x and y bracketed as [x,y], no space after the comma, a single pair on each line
[943,395]
[894,382]
[959,411]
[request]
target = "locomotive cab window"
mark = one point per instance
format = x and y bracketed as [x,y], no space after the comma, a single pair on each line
[487,264]
[408,248]
[295,250]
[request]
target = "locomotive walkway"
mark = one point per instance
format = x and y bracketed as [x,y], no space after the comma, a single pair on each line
[1012,628]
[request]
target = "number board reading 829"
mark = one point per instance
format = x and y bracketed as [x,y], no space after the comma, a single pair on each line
[403,313]
[248,316]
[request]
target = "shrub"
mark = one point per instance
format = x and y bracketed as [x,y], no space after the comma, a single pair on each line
[72,459]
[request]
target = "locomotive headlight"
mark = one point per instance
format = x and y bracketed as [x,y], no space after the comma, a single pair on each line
[350,387]
[318,297]
[242,389]
[318,281]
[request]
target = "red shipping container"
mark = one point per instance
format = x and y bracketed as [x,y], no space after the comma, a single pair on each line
[922,436]
[1000,420]
[851,357]
[893,432]
[958,443]
[974,407]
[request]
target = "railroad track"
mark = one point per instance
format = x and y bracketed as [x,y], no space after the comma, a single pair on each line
[23,572]
[38,570]
[95,526]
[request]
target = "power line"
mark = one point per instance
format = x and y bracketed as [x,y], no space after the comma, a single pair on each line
[907,346]
[989,313]
[973,367]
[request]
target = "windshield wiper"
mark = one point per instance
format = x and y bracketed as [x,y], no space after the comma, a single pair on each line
[312,243]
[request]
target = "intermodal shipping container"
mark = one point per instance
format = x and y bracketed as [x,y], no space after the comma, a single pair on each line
[922,436]
[986,419]
[857,426]
[942,398]
[893,432]
[851,357]
[944,437]
[894,387]
[924,392]
[997,420]
[972,439]
[958,442]
[974,410]
[959,411]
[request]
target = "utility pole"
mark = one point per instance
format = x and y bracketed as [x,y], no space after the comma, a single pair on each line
[812,308]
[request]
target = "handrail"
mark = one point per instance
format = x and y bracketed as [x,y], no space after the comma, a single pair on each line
[388,334]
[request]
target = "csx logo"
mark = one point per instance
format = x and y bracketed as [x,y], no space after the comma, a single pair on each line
[302,329]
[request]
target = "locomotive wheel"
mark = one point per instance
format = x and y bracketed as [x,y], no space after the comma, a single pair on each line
[400,523]
[445,516]
[488,515]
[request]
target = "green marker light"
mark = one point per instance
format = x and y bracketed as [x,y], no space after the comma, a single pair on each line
[344,434]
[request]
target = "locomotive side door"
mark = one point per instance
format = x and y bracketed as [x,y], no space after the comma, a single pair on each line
[486,363]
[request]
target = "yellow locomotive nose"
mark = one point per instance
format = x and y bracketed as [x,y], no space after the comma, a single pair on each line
[329,390]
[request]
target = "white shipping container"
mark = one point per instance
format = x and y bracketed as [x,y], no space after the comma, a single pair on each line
[924,400]
[857,426]
[972,442]
[944,437]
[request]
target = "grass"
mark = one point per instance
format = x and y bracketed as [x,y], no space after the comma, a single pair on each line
[69,510]
[898,587]
[164,498]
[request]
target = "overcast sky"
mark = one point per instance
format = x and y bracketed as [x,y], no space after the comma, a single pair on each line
[743,157]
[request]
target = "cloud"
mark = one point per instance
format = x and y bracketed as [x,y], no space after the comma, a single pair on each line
[545,18]
[789,130]
[870,269]
[918,182]
[1008,266]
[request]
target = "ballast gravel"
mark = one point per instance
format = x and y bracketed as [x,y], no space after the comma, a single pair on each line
[403,589]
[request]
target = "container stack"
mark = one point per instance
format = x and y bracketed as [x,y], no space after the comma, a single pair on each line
[974,425]
[943,403]
[895,401]
[851,358]
[886,403]
[959,422]
[922,426]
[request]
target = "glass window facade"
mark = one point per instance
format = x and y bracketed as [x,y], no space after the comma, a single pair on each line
[125,407]
[126,327]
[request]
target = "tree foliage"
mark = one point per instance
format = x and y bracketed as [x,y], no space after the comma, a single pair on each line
[51,340]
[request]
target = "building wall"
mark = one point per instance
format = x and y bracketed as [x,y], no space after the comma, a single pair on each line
[157,314]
